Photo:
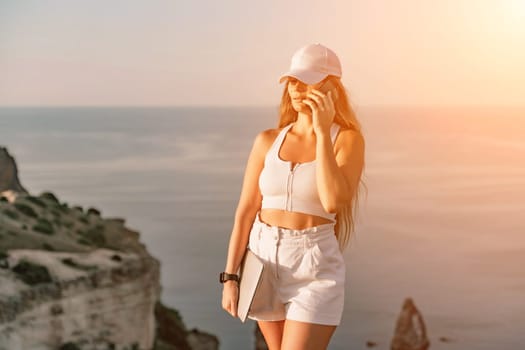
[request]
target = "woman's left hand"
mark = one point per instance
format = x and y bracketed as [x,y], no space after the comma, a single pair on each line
[323,110]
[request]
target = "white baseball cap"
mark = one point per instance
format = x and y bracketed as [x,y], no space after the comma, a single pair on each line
[312,63]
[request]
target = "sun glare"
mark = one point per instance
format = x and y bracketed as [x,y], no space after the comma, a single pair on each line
[515,14]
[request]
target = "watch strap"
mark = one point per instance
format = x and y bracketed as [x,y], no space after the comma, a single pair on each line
[224,276]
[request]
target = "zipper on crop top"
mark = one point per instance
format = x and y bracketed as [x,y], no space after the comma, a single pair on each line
[289,184]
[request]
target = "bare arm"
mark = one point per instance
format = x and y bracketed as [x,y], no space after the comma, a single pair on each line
[338,175]
[249,202]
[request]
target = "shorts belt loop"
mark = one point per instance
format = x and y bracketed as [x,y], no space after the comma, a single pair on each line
[277,243]
[305,242]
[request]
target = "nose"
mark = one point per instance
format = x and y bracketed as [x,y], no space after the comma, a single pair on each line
[297,86]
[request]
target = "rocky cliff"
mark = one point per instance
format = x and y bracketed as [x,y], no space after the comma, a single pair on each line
[71,279]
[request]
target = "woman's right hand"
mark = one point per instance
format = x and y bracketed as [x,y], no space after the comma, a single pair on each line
[230,297]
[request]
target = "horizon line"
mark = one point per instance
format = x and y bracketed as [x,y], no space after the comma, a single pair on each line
[266,106]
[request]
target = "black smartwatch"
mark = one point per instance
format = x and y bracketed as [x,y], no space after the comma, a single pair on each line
[224,276]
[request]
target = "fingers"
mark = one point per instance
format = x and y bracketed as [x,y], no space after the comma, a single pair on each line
[235,299]
[319,100]
[225,305]
[230,304]
[310,103]
[230,309]
[330,97]
[233,308]
[327,99]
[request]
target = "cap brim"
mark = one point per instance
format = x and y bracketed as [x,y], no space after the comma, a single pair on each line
[306,76]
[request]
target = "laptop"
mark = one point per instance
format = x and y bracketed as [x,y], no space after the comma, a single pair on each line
[250,277]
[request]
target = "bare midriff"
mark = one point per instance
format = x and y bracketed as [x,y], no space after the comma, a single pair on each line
[289,219]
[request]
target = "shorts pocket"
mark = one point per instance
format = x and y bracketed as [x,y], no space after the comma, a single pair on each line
[316,258]
[326,255]
[296,260]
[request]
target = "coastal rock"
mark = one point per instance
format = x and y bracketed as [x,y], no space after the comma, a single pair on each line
[110,304]
[71,279]
[370,344]
[172,333]
[410,332]
[199,340]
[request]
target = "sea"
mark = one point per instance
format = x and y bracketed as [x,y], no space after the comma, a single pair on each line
[441,214]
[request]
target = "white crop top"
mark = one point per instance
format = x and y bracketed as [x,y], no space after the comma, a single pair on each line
[291,189]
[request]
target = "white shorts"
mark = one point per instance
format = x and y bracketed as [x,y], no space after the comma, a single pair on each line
[304,274]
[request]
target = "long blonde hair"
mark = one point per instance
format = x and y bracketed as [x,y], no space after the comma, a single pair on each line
[346,118]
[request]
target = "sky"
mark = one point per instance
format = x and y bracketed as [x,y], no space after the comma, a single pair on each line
[232,52]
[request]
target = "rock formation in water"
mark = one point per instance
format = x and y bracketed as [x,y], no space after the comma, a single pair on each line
[9,173]
[71,279]
[410,332]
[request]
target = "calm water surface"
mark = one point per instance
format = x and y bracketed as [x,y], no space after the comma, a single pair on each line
[442,222]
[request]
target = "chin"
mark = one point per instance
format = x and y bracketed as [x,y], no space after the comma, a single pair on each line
[300,107]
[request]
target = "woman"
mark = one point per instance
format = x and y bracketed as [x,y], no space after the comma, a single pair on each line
[295,208]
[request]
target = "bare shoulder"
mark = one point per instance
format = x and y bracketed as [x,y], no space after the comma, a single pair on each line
[348,138]
[264,140]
